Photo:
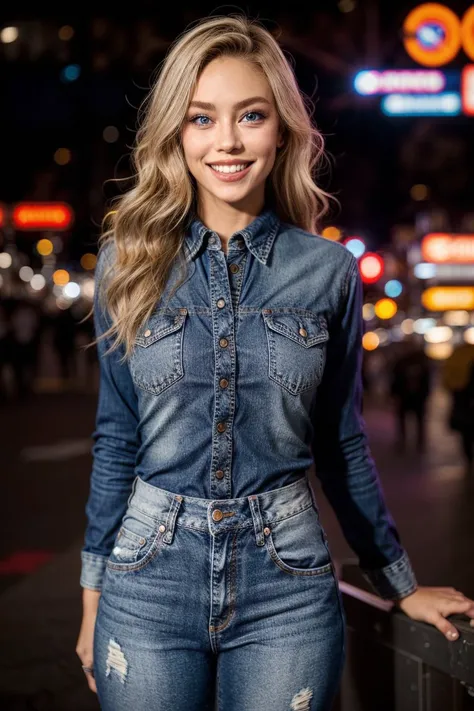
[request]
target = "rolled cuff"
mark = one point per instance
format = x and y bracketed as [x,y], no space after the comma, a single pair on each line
[394,581]
[93,570]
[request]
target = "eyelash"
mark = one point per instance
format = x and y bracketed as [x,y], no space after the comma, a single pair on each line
[193,118]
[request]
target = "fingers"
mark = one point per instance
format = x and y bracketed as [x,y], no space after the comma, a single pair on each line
[444,626]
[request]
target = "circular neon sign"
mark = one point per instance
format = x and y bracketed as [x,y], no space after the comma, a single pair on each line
[432,34]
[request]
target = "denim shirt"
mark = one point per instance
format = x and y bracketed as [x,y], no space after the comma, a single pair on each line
[245,377]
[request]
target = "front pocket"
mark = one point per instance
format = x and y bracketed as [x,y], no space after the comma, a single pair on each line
[297,544]
[138,541]
[296,348]
[157,359]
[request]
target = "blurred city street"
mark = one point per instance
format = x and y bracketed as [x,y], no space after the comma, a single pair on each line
[46,464]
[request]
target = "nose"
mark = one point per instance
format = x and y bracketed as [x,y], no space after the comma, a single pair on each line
[227,136]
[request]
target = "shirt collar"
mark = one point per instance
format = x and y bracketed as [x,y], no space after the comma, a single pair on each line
[259,235]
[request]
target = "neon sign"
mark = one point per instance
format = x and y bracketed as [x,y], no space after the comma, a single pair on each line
[448,249]
[42,216]
[414,81]
[433,34]
[447,103]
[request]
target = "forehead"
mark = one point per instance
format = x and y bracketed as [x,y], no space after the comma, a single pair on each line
[230,79]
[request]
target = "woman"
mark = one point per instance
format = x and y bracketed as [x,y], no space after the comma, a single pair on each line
[230,349]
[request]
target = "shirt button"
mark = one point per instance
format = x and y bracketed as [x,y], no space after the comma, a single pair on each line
[221,426]
[217,515]
[223,383]
[162,528]
[239,243]
[234,268]
[220,303]
[183,311]
[147,333]
[303,332]
[223,342]
[219,474]
[212,240]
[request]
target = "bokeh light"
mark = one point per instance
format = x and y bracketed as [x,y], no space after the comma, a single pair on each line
[88,261]
[60,277]
[44,247]
[72,290]
[9,35]
[438,334]
[110,134]
[370,341]
[62,156]
[419,192]
[5,260]
[355,246]
[26,273]
[38,282]
[368,312]
[439,351]
[331,232]
[66,32]
[469,335]
[393,288]
[385,308]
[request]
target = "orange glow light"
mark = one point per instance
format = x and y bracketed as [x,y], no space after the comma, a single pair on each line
[447,249]
[61,277]
[370,341]
[385,308]
[449,45]
[332,233]
[467,32]
[448,298]
[42,216]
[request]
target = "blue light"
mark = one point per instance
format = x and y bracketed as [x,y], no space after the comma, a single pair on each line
[355,247]
[71,72]
[393,288]
[366,82]
[447,103]
[424,270]
[430,35]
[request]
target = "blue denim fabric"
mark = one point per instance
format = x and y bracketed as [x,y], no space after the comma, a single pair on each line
[241,591]
[248,372]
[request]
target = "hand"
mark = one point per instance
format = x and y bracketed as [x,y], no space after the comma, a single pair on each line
[433,605]
[85,642]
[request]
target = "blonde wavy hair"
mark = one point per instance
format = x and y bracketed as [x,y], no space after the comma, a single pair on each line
[148,223]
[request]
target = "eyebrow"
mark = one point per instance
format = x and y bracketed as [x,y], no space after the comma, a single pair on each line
[239,105]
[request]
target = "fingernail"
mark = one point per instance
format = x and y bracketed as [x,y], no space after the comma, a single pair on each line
[471,623]
[453,635]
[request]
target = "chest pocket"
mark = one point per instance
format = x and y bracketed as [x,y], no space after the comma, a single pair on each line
[157,360]
[296,348]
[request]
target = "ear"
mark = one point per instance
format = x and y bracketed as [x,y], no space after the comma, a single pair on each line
[280,140]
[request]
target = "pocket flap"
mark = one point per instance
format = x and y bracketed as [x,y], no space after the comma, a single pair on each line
[160,324]
[307,330]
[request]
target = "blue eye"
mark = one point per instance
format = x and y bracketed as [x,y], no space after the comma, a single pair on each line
[196,122]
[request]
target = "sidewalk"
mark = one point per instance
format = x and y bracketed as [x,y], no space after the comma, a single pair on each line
[429,496]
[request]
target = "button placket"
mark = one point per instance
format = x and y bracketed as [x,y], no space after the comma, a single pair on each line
[224,374]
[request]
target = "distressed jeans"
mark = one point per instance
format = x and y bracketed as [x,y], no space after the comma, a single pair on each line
[219,605]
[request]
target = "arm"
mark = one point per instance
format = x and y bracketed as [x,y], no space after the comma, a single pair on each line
[114,451]
[342,456]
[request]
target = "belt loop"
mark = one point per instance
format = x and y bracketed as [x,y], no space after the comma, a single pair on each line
[171,519]
[257,519]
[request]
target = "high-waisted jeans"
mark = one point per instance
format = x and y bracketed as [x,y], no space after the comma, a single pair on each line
[219,605]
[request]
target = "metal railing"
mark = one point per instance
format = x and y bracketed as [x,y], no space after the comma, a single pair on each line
[396,664]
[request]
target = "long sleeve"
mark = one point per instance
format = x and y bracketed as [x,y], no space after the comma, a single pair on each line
[114,450]
[342,457]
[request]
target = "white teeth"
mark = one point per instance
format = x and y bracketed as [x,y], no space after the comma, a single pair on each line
[229,168]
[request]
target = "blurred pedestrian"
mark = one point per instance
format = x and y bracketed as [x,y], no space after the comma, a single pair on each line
[410,389]
[458,379]
[25,342]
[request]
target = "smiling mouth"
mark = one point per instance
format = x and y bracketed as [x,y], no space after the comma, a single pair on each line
[232,169]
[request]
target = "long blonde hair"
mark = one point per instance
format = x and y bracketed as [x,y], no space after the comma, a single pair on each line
[148,223]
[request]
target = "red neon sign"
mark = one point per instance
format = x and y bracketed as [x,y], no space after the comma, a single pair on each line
[467,89]
[2,216]
[42,216]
